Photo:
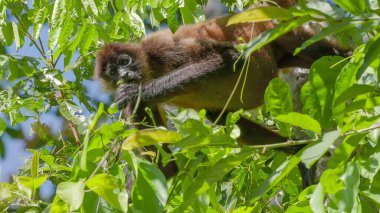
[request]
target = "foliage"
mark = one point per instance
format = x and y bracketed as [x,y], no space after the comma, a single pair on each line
[93,170]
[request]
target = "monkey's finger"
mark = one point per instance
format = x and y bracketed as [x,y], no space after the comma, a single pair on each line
[121,104]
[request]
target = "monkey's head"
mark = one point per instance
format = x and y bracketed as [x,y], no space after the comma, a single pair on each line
[119,63]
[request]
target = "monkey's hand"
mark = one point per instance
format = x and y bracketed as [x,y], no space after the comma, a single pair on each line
[126,93]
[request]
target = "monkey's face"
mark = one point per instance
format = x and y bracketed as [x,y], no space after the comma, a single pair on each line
[122,70]
[118,64]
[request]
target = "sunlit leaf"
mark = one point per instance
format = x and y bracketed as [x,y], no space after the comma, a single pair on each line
[272,34]
[278,97]
[209,176]
[149,137]
[301,120]
[108,187]
[328,31]
[57,18]
[31,182]
[317,199]
[355,7]
[3,126]
[71,193]
[344,151]
[71,112]
[322,77]
[316,150]
[39,20]
[149,193]
[261,14]
[346,198]
[275,178]
[16,35]
[172,20]
[35,165]
[331,180]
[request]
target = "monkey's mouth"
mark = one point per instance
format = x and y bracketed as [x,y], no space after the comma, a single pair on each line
[131,77]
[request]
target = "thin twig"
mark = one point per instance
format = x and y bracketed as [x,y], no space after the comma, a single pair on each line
[233,91]
[361,130]
[75,133]
[56,60]
[26,30]
[138,101]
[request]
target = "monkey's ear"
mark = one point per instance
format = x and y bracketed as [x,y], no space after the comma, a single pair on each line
[124,60]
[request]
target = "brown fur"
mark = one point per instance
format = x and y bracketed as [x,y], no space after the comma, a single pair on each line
[194,68]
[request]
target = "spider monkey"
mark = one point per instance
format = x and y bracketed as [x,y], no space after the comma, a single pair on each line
[193,68]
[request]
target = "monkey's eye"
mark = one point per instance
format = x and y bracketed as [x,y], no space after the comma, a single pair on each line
[124,60]
[111,71]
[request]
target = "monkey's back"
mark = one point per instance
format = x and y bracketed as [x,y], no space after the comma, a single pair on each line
[167,52]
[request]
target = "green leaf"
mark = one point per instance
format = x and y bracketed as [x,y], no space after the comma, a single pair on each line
[210,175]
[369,162]
[300,120]
[113,109]
[83,155]
[71,193]
[272,34]
[322,78]
[39,20]
[150,137]
[5,196]
[59,206]
[278,97]
[344,151]
[16,35]
[347,198]
[108,187]
[356,7]
[261,14]
[92,5]
[330,30]
[98,114]
[310,101]
[331,181]
[3,126]
[314,151]
[301,206]
[6,34]
[371,54]
[35,165]
[58,15]
[345,89]
[149,192]
[363,103]
[278,174]
[172,17]
[187,11]
[71,112]
[317,199]
[32,183]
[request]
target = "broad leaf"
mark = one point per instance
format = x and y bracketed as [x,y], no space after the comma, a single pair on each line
[150,137]
[300,120]
[261,14]
[108,187]
[149,193]
[71,193]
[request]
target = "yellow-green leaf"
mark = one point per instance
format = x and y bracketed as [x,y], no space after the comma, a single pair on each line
[301,120]
[150,137]
[261,14]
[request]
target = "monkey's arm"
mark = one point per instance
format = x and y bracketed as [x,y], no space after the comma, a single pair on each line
[173,83]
